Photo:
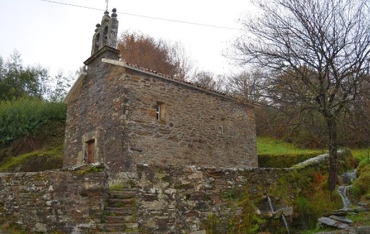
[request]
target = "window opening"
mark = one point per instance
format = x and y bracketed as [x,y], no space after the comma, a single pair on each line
[105,32]
[90,151]
[222,126]
[158,112]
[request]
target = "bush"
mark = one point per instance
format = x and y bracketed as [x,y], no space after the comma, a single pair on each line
[361,184]
[26,116]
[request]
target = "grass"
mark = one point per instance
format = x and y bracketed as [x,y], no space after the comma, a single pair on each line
[271,146]
[116,186]
[36,157]
[363,155]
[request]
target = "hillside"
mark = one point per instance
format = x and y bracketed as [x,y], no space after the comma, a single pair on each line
[40,151]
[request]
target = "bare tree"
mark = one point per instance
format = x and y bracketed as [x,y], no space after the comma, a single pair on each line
[249,85]
[179,57]
[208,80]
[321,48]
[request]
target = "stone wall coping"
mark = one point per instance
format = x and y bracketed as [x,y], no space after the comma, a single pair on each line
[202,168]
[71,168]
[75,168]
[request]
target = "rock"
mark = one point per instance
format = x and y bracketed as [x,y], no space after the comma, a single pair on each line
[332,223]
[258,212]
[342,225]
[338,213]
[363,230]
[327,221]
[40,227]
[286,211]
[347,231]
[348,177]
[341,219]
[199,232]
[364,204]
[360,209]
[266,214]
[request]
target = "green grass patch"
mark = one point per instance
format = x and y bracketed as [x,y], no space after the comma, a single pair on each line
[272,146]
[282,161]
[362,155]
[116,186]
[90,169]
[279,154]
[361,219]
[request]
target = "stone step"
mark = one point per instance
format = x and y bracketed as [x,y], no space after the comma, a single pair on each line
[122,194]
[128,232]
[118,219]
[125,189]
[132,225]
[116,202]
[119,227]
[332,223]
[126,200]
[342,219]
[120,211]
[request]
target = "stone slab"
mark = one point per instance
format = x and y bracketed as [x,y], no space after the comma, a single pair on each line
[332,223]
[341,219]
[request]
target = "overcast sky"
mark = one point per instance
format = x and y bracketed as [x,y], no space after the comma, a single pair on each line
[58,36]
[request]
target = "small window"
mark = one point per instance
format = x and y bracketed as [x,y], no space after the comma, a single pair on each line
[160,111]
[90,151]
[105,33]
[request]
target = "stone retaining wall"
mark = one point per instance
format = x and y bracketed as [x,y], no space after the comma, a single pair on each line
[170,199]
[175,199]
[65,200]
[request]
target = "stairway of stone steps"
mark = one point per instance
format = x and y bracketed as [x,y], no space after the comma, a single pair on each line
[120,212]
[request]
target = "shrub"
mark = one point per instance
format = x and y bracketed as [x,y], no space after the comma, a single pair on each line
[25,116]
[361,184]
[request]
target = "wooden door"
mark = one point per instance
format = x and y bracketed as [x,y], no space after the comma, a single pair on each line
[90,151]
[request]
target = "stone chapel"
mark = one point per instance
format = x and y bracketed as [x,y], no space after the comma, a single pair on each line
[120,114]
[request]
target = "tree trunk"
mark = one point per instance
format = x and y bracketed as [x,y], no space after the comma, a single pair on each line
[333,153]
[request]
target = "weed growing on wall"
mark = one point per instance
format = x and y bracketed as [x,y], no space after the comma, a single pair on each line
[247,221]
[242,216]
[307,191]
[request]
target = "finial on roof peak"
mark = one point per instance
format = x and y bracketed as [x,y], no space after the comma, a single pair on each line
[97,27]
[114,14]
